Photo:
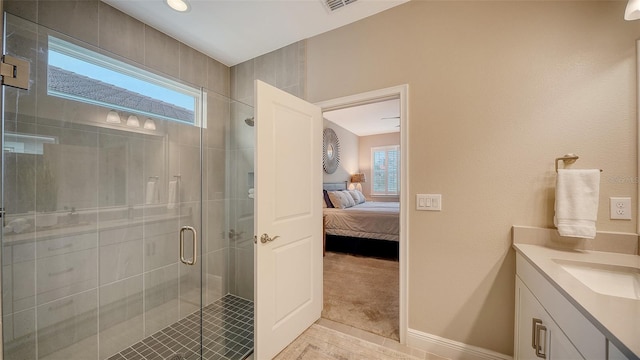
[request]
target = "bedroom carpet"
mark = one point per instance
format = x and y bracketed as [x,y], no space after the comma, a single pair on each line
[362,292]
[321,343]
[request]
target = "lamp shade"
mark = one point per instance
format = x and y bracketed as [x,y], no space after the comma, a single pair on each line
[358,178]
[133,121]
[632,12]
[149,124]
[113,117]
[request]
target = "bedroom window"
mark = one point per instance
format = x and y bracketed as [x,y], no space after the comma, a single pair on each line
[385,170]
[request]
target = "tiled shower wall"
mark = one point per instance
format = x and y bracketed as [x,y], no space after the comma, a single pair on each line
[107,28]
[228,146]
[285,69]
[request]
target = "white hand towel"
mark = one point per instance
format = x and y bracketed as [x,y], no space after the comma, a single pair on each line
[173,194]
[577,196]
[152,193]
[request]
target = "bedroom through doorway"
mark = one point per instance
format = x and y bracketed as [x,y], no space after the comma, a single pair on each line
[362,191]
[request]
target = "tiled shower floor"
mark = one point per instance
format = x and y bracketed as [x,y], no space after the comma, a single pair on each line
[227,334]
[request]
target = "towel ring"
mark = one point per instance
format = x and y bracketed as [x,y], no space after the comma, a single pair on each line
[568,159]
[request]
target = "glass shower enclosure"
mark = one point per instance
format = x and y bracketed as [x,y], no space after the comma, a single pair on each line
[128,216]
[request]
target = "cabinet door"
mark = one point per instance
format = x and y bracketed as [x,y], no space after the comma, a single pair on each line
[553,344]
[613,353]
[560,347]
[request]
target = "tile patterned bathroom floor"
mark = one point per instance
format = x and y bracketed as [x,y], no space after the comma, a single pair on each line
[227,334]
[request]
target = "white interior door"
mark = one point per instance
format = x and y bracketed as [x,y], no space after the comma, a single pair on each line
[288,216]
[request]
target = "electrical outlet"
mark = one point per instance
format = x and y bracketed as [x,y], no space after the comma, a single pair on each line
[620,208]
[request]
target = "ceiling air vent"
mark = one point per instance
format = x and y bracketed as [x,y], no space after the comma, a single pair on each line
[334,5]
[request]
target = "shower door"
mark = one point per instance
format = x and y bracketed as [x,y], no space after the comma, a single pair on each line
[102,213]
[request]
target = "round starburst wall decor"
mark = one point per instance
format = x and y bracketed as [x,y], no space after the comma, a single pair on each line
[330,151]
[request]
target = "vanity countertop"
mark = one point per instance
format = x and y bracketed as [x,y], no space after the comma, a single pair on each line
[85,227]
[618,318]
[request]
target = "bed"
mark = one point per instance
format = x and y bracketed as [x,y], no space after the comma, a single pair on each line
[369,228]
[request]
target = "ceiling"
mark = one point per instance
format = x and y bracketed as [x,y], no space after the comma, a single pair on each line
[234,31]
[370,119]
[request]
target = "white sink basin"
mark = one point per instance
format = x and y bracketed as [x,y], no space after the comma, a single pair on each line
[612,280]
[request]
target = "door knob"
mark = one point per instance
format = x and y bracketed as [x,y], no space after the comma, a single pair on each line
[266,238]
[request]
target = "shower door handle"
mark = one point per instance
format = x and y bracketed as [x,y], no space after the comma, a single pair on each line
[195,245]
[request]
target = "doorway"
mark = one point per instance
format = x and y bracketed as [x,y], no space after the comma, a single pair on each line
[378,96]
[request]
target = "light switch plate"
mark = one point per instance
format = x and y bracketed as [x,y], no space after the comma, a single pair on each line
[429,202]
[620,208]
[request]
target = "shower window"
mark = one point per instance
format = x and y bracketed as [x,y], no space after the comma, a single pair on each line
[76,73]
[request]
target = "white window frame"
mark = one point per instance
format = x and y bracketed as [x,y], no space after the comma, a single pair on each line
[386,149]
[104,61]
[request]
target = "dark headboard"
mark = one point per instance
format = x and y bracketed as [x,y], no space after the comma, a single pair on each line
[334,186]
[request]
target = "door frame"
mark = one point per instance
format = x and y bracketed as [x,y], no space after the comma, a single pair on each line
[394,92]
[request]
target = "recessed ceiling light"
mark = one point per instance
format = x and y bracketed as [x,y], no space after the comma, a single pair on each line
[178,5]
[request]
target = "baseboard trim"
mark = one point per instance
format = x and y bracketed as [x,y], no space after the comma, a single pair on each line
[449,348]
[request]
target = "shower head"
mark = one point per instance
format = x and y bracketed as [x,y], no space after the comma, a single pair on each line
[249,121]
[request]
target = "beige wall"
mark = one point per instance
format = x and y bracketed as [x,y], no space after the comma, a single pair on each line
[364,160]
[497,91]
[348,164]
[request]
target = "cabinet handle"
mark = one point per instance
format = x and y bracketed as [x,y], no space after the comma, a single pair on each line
[54,248]
[539,349]
[61,272]
[58,306]
[534,339]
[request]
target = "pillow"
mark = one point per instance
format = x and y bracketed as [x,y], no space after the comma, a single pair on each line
[327,201]
[361,195]
[339,199]
[349,200]
[357,196]
[336,199]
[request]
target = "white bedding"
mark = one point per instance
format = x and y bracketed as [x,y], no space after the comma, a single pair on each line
[372,220]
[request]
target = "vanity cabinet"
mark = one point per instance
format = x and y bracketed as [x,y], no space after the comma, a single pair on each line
[537,335]
[563,332]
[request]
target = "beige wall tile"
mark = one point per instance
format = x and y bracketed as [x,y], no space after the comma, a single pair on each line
[82,328]
[121,34]
[242,77]
[287,67]
[193,66]
[26,9]
[266,67]
[189,170]
[159,52]
[219,77]
[216,173]
[244,273]
[218,114]
[75,18]
[120,315]
[218,281]
[189,288]
[215,219]
[161,298]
